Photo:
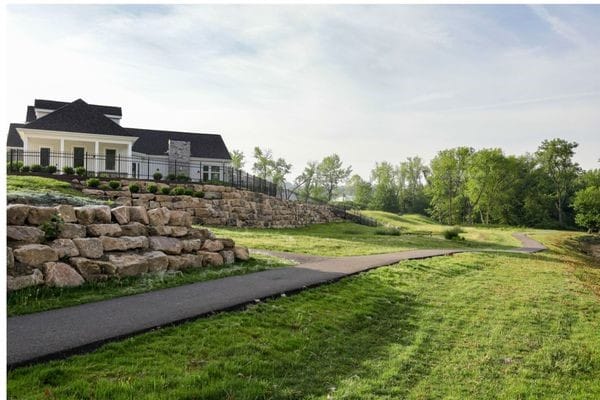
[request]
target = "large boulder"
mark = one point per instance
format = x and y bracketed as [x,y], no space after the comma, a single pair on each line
[178,231]
[191,245]
[134,229]
[241,253]
[35,254]
[104,230]
[16,214]
[160,230]
[10,259]
[129,264]
[195,233]
[89,247]
[87,215]
[59,274]
[124,243]
[211,259]
[138,214]
[72,231]
[20,282]
[184,261]
[159,216]
[157,261]
[93,270]
[121,214]
[212,245]
[165,244]
[65,248]
[227,243]
[39,215]
[24,234]
[66,213]
[228,257]
[180,218]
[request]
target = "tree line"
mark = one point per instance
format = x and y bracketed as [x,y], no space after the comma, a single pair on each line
[459,186]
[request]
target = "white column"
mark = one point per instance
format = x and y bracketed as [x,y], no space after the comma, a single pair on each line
[61,155]
[97,156]
[25,149]
[129,160]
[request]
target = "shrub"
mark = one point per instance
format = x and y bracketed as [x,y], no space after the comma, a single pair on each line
[52,227]
[92,182]
[388,231]
[103,175]
[25,168]
[171,177]
[165,190]
[114,185]
[80,171]
[104,186]
[182,178]
[15,166]
[178,191]
[68,170]
[36,168]
[199,194]
[134,187]
[152,188]
[157,176]
[51,169]
[189,192]
[453,233]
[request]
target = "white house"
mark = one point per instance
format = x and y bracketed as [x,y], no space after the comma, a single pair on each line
[79,134]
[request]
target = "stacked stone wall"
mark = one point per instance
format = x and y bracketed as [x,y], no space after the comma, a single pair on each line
[67,246]
[226,206]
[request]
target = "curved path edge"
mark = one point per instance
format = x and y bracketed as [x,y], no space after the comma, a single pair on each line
[59,333]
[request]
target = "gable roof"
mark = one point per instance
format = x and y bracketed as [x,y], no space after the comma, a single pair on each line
[55,105]
[202,145]
[14,140]
[78,116]
[30,114]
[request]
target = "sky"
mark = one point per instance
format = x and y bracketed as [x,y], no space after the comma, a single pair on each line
[370,83]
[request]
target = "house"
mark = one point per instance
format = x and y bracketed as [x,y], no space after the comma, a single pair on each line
[85,135]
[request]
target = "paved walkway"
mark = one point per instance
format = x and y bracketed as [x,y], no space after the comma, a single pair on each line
[58,333]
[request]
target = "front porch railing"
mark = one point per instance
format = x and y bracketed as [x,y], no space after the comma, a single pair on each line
[136,167]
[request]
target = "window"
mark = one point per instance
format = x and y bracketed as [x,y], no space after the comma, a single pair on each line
[215,173]
[78,154]
[44,156]
[206,172]
[109,162]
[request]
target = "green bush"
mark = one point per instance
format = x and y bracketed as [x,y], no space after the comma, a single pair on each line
[25,168]
[36,168]
[80,171]
[178,191]
[114,185]
[171,177]
[165,190]
[103,175]
[104,186]
[68,170]
[199,194]
[189,192]
[151,188]
[388,231]
[92,182]
[15,166]
[134,187]
[453,233]
[52,227]
[182,178]
[157,176]
[51,169]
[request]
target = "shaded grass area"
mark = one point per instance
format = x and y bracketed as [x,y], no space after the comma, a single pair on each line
[41,298]
[479,326]
[43,190]
[350,239]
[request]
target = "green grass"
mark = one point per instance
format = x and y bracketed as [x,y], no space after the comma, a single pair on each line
[40,298]
[349,239]
[42,190]
[470,326]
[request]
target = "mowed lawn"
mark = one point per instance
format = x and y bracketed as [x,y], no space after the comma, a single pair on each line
[477,326]
[349,239]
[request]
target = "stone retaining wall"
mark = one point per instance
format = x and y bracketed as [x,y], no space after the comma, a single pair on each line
[94,243]
[225,206]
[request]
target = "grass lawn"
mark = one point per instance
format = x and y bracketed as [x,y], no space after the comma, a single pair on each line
[480,326]
[38,189]
[349,239]
[40,298]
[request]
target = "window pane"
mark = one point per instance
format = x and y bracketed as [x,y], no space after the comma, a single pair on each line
[44,156]
[78,153]
[109,163]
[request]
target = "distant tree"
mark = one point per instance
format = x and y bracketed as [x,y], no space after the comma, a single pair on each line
[306,181]
[237,159]
[555,158]
[361,190]
[279,171]
[587,208]
[263,164]
[385,187]
[414,173]
[331,173]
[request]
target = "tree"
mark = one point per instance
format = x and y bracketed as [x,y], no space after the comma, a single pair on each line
[385,187]
[587,208]
[237,159]
[361,190]
[414,172]
[263,166]
[331,173]
[280,169]
[307,181]
[555,158]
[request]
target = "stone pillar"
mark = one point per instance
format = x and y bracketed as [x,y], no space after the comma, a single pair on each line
[179,157]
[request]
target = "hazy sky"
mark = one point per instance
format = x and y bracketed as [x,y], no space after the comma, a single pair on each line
[371,83]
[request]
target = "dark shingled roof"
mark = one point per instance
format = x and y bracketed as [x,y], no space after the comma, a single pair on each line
[202,145]
[30,114]
[78,116]
[14,140]
[55,105]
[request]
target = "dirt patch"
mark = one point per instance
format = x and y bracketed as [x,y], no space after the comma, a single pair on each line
[590,245]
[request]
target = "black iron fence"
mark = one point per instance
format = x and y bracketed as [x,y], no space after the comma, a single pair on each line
[115,165]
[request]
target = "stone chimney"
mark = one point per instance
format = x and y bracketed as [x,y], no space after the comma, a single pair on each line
[179,157]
